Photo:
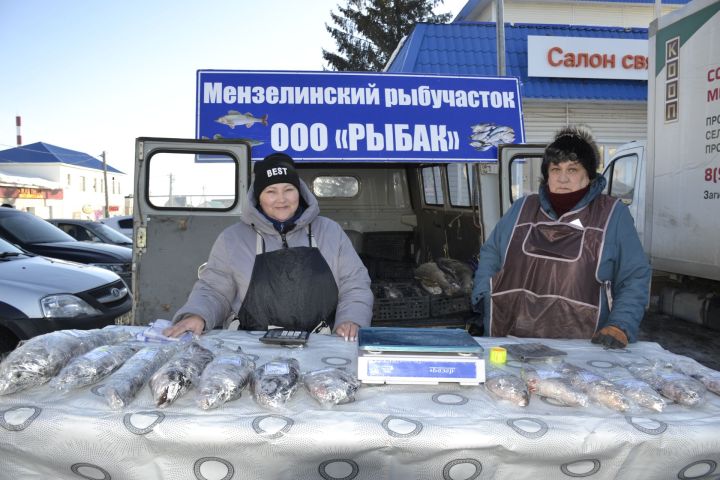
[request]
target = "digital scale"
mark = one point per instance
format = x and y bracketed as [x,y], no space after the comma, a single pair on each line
[419,356]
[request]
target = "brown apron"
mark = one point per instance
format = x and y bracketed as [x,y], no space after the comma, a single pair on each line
[548,285]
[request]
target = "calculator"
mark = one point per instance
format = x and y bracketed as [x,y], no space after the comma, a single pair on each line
[280,336]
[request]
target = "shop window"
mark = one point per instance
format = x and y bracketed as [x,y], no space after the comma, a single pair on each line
[432,186]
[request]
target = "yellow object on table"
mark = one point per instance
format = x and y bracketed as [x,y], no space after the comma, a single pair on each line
[498,355]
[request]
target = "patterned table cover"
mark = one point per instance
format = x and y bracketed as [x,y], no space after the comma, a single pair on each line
[441,431]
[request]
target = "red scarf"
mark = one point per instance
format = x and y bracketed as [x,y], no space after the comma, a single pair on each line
[564,202]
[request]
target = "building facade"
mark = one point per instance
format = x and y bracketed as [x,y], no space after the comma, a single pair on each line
[54,182]
[578,61]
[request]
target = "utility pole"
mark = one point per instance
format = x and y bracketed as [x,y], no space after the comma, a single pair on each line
[107,203]
[500,33]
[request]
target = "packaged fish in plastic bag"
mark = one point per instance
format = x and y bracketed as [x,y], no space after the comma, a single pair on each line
[275,382]
[224,379]
[123,385]
[92,366]
[331,386]
[707,376]
[179,374]
[548,381]
[671,383]
[505,385]
[39,359]
[599,389]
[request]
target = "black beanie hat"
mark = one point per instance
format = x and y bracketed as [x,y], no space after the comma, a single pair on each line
[275,168]
[569,145]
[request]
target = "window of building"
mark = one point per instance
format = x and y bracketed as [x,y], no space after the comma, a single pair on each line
[83,186]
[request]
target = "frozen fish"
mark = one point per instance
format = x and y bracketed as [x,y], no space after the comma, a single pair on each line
[598,389]
[434,280]
[122,386]
[275,382]
[460,271]
[224,379]
[506,386]
[671,383]
[92,366]
[39,359]
[331,386]
[549,382]
[179,374]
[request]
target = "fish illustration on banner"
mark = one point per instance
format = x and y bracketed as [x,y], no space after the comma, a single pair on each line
[487,135]
[235,118]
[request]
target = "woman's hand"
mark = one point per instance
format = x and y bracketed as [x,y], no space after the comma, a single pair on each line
[348,330]
[192,323]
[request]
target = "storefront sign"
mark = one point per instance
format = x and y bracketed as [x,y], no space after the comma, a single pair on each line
[336,116]
[582,57]
[31,193]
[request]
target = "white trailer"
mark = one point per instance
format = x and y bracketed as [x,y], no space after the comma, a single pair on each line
[671,183]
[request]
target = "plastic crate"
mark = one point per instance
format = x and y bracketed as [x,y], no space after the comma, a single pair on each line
[444,305]
[387,245]
[392,270]
[414,303]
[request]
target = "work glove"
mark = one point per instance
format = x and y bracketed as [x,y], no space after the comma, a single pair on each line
[610,337]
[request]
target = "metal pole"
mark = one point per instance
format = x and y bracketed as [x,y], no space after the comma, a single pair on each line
[107,203]
[500,28]
[658,8]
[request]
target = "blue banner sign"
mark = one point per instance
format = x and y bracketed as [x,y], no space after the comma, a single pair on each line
[361,117]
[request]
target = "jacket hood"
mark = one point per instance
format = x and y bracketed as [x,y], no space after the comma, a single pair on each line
[251,215]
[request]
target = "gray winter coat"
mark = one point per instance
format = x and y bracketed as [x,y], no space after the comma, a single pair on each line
[221,287]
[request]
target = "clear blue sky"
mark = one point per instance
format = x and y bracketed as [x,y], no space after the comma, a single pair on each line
[93,75]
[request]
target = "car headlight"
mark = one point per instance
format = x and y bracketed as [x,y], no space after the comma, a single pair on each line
[65,306]
[118,268]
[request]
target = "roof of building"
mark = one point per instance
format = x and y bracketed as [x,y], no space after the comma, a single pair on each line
[469,49]
[42,152]
[472,5]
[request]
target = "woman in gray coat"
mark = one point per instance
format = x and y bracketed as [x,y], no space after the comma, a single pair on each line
[282,265]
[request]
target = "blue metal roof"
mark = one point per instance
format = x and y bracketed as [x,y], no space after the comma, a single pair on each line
[469,49]
[41,152]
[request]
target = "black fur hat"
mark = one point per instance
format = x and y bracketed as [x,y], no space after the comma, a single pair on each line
[572,144]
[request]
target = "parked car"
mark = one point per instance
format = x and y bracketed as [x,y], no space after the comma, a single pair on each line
[35,235]
[121,223]
[39,295]
[91,231]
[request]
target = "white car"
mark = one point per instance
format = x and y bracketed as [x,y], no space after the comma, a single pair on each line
[39,295]
[121,223]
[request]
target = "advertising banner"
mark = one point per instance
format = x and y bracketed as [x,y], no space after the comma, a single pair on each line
[361,117]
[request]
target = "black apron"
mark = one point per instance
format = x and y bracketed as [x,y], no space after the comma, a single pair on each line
[292,288]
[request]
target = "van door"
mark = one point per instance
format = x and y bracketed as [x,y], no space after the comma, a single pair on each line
[186,193]
[625,175]
[520,172]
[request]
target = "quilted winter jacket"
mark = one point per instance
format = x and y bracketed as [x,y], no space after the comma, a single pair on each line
[623,263]
[221,287]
